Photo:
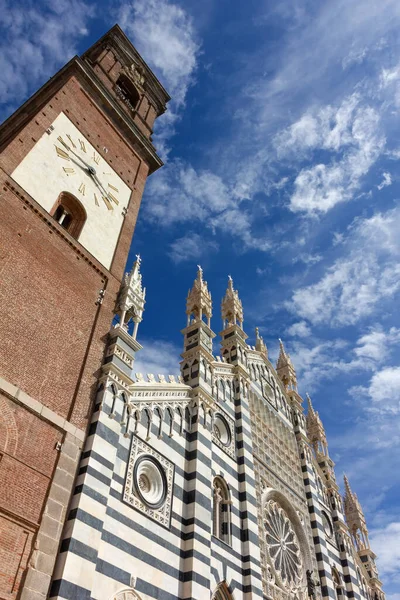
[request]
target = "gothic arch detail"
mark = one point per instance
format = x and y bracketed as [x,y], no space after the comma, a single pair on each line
[126,594]
[222,592]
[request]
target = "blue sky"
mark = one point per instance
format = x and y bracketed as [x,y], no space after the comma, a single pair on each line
[282,148]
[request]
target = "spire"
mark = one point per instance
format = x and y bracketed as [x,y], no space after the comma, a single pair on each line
[260,344]
[285,369]
[310,408]
[315,430]
[231,307]
[131,298]
[198,301]
[355,518]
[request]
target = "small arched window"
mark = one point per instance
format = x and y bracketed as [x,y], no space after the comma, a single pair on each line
[127,91]
[69,213]
[221,511]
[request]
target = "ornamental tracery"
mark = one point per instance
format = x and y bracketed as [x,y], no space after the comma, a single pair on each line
[283,546]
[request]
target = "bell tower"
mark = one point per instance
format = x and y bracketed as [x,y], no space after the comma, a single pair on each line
[74,160]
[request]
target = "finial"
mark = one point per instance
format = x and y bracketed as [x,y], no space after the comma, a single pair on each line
[285,368]
[309,405]
[198,301]
[231,306]
[257,332]
[138,259]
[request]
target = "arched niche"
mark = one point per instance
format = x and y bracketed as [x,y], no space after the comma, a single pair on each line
[69,213]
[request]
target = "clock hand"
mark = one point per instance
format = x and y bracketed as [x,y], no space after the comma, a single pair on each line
[99,184]
[78,165]
[88,167]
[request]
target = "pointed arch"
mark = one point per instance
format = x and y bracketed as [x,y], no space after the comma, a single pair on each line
[221,510]
[337,582]
[222,592]
[69,213]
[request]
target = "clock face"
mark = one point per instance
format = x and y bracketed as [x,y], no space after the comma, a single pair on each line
[63,160]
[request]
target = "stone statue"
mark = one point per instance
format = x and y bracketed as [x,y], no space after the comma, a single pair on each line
[311,584]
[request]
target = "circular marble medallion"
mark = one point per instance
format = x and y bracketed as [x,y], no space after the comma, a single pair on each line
[150,481]
[221,430]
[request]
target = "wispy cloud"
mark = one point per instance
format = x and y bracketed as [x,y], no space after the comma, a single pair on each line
[157,357]
[387,180]
[181,194]
[317,361]
[352,137]
[37,38]
[300,329]
[191,246]
[367,274]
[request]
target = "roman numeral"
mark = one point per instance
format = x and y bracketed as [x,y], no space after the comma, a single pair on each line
[61,153]
[95,200]
[81,189]
[63,143]
[71,140]
[96,158]
[113,187]
[69,170]
[106,173]
[113,198]
[107,203]
[83,147]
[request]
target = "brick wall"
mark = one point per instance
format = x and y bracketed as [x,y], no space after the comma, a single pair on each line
[53,333]
[26,468]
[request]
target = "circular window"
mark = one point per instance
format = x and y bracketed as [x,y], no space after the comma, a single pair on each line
[327,524]
[283,545]
[221,430]
[150,481]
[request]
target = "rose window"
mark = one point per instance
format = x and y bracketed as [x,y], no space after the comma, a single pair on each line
[283,545]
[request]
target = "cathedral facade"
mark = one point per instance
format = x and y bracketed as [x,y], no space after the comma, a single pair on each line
[118,485]
[210,485]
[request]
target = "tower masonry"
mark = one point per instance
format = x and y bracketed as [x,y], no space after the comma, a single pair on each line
[73,164]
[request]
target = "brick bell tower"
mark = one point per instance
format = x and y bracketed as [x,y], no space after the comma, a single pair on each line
[73,164]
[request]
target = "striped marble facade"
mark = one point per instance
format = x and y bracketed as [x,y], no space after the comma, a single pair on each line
[177,476]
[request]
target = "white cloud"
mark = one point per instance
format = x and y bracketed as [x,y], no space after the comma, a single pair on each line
[376,344]
[307,259]
[300,329]
[390,76]
[37,39]
[181,194]
[353,286]
[319,360]
[164,34]
[385,543]
[387,180]
[383,390]
[352,136]
[157,357]
[191,247]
